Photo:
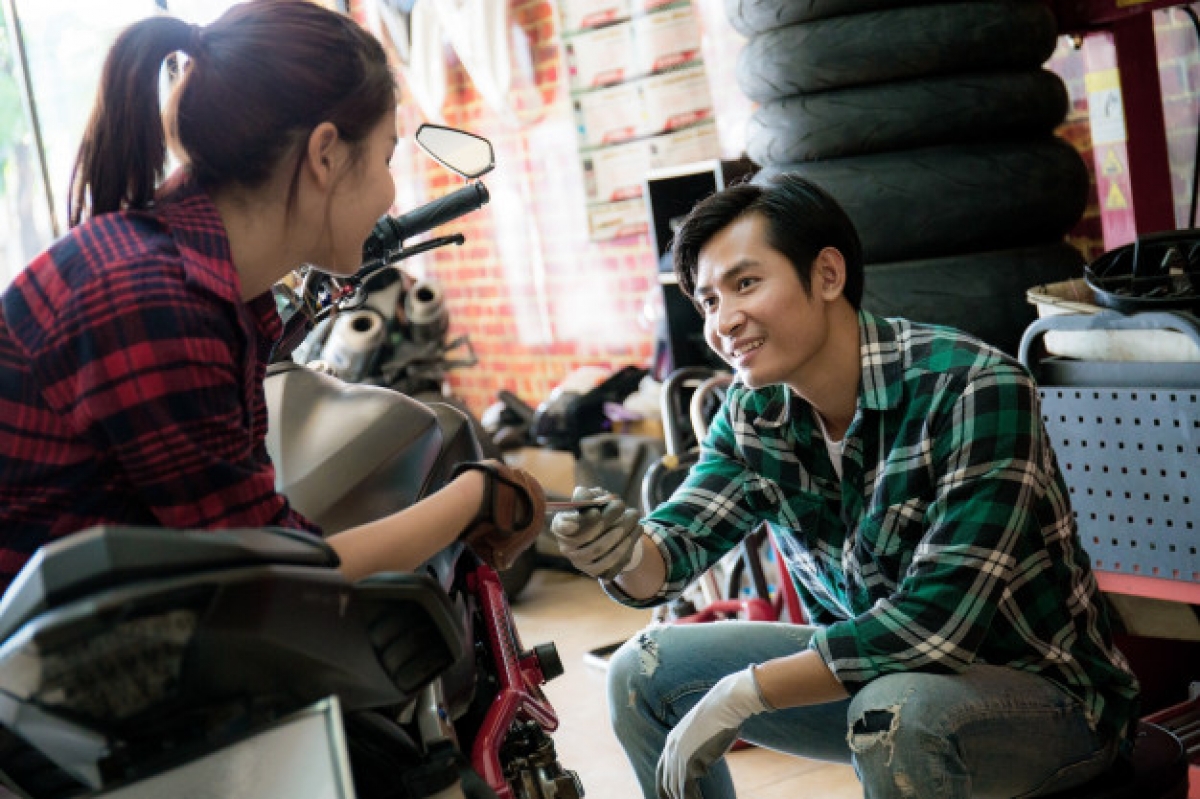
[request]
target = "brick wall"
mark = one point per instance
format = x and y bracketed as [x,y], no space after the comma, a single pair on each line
[539,299]
[536,297]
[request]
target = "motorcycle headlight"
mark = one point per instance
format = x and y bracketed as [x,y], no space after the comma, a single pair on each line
[109,671]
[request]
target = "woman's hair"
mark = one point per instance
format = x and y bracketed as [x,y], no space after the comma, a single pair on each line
[802,219]
[257,82]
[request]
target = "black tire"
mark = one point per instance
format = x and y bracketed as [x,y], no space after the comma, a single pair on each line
[752,17]
[982,293]
[962,198]
[905,115]
[898,44]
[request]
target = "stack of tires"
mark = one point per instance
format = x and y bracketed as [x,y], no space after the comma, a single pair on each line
[933,124]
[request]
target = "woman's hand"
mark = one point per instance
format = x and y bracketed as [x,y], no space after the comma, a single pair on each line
[512,512]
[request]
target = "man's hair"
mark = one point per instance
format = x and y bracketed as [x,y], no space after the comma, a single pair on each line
[802,219]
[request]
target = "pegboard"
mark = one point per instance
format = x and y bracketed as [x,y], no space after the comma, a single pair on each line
[1131,460]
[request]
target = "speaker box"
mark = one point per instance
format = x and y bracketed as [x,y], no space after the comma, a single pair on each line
[670,195]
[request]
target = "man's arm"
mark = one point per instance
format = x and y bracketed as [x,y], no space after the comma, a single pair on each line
[798,680]
[646,580]
[981,531]
[646,562]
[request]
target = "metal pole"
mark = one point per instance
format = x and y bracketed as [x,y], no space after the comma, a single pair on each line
[21,64]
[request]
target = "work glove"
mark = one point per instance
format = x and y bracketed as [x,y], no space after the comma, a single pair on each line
[706,733]
[601,542]
[511,514]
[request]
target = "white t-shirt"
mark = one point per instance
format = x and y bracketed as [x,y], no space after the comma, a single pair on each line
[835,447]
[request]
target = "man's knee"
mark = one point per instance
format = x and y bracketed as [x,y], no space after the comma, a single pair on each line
[631,668]
[893,731]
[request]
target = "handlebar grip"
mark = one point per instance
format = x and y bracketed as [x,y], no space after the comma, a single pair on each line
[390,232]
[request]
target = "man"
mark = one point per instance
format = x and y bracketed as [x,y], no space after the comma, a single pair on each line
[958,645]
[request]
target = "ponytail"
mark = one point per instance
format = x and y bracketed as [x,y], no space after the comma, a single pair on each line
[259,80]
[122,157]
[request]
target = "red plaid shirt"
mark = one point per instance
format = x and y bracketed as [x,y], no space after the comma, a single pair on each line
[131,383]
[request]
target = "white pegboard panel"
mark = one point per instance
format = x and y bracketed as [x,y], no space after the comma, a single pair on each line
[1131,459]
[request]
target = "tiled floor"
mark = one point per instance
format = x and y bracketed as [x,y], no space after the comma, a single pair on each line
[575,614]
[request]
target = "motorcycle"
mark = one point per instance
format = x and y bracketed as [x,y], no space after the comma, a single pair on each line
[383,327]
[149,662]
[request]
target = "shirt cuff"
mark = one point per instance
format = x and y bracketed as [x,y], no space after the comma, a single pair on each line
[662,596]
[839,649]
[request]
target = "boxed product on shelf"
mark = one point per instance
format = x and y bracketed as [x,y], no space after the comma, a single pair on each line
[619,172]
[602,57]
[645,107]
[665,40]
[644,45]
[584,14]
[616,220]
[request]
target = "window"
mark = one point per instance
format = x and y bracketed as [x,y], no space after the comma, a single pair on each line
[65,42]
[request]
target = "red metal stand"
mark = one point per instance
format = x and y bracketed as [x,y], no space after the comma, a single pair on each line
[1132,29]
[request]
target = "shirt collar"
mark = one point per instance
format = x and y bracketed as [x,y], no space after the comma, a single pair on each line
[880,386]
[192,220]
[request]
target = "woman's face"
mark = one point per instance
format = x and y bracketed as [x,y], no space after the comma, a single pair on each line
[363,194]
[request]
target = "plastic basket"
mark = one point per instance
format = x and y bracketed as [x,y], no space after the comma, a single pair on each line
[1129,448]
[1076,297]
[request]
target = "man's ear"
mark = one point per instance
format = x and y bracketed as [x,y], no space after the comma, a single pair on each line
[320,154]
[829,274]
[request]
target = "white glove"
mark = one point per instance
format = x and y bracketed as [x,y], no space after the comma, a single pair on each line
[602,542]
[706,733]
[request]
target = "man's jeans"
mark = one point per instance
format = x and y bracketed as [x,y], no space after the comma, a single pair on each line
[989,732]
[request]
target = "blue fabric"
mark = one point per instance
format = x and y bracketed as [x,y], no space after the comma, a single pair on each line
[987,731]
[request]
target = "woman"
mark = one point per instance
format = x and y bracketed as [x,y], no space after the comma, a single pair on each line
[132,352]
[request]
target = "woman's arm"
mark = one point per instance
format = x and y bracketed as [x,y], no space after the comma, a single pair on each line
[405,540]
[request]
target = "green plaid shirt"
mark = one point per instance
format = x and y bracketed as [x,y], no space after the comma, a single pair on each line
[949,539]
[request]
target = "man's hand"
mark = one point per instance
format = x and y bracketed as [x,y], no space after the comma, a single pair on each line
[706,733]
[601,542]
[511,513]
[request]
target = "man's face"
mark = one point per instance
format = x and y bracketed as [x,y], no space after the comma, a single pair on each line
[757,315]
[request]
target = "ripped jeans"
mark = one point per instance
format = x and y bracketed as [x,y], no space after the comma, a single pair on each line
[989,732]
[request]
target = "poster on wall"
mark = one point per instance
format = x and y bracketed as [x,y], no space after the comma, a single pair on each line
[640,97]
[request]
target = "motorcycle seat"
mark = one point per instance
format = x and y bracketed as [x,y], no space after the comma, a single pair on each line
[111,555]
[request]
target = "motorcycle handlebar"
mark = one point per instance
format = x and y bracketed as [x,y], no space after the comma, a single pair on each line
[390,232]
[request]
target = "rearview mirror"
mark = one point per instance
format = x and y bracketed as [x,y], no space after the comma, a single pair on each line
[465,153]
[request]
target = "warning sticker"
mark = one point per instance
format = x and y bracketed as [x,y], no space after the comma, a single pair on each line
[1112,164]
[1115,200]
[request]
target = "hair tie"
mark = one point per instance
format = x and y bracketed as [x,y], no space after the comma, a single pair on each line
[195,45]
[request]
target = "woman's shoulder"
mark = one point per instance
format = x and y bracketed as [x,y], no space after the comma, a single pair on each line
[103,269]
